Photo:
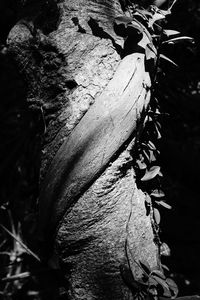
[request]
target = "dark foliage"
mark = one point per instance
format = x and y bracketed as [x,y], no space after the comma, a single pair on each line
[180,148]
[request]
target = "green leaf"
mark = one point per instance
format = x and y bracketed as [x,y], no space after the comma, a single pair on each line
[169,32]
[179,39]
[156,214]
[157,194]
[151,173]
[168,59]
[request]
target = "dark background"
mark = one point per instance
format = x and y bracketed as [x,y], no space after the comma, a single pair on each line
[20,133]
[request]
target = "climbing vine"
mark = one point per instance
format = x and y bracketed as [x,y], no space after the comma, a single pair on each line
[148,25]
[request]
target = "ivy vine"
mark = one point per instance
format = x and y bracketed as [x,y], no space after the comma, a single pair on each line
[148,24]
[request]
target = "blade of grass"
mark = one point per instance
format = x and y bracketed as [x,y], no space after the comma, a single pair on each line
[16,277]
[21,243]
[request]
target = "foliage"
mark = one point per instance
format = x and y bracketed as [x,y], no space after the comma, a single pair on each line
[149,25]
[151,285]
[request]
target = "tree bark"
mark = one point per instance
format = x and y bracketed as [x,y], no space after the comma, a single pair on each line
[92,98]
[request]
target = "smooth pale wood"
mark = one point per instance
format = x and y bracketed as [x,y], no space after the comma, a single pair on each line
[107,125]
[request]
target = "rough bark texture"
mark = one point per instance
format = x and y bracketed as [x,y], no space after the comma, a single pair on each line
[91,99]
[92,237]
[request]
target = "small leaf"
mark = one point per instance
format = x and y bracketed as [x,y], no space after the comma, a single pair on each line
[156,214]
[152,282]
[140,15]
[165,267]
[173,286]
[164,12]
[156,17]
[153,291]
[151,145]
[158,194]
[165,250]
[158,130]
[147,155]
[158,273]
[123,20]
[148,199]
[166,293]
[144,12]
[152,157]
[169,32]
[141,164]
[164,204]
[151,173]
[179,39]
[145,39]
[161,281]
[168,59]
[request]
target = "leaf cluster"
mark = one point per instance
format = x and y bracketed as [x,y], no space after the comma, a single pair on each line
[148,24]
[152,285]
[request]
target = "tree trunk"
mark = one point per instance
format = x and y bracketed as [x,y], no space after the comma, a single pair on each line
[91,95]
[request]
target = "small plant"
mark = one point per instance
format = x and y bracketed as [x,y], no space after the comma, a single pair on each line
[148,26]
[14,270]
